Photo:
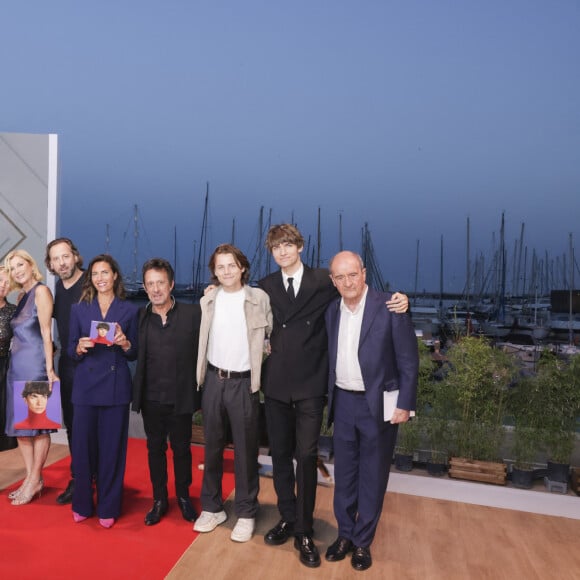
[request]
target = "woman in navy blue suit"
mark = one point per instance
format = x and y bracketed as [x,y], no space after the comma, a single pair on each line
[101,391]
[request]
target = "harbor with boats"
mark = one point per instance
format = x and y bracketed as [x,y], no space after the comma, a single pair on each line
[523,306]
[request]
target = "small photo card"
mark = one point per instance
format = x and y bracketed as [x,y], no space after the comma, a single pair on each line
[37,405]
[102,332]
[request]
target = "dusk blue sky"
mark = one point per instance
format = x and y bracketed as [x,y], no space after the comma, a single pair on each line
[409,115]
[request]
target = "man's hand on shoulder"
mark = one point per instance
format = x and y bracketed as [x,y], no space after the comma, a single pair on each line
[399,303]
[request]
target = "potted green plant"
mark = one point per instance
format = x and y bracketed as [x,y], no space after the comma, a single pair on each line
[477,381]
[437,431]
[435,405]
[525,448]
[409,434]
[408,439]
[559,384]
[526,409]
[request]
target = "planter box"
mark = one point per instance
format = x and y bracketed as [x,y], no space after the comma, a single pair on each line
[484,471]
[197,436]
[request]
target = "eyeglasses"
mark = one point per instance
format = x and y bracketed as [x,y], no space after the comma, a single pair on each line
[341,278]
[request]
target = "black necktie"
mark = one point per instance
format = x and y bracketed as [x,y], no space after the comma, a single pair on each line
[290,290]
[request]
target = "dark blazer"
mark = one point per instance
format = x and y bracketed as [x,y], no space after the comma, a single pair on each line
[388,354]
[187,318]
[297,367]
[102,376]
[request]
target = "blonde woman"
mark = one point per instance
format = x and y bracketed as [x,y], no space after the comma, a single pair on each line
[31,358]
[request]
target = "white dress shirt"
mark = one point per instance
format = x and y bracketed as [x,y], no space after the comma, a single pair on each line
[296,279]
[348,373]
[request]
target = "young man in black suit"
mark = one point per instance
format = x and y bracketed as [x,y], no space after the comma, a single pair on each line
[294,382]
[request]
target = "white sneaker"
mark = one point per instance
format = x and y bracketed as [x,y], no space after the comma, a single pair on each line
[209,521]
[243,530]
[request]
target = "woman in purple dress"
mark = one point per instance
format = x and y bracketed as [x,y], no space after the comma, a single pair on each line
[31,358]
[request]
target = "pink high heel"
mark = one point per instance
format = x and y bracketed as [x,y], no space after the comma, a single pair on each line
[27,494]
[107,522]
[78,518]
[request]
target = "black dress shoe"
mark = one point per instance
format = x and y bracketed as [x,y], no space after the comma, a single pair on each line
[187,510]
[158,510]
[280,533]
[66,496]
[309,555]
[338,550]
[361,558]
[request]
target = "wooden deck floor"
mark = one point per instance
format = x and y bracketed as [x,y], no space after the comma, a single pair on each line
[418,538]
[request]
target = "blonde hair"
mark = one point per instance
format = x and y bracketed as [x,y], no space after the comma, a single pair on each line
[25,256]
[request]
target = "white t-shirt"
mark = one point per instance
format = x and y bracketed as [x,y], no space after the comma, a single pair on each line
[228,346]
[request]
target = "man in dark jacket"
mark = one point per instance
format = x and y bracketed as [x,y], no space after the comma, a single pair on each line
[164,385]
[64,261]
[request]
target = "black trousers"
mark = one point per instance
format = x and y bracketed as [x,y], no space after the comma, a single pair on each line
[160,422]
[66,374]
[293,431]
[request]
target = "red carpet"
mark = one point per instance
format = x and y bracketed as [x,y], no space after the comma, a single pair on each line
[40,540]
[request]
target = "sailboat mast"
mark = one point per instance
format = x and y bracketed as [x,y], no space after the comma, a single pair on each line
[318,240]
[135,241]
[503,256]
[259,244]
[416,272]
[268,254]
[441,279]
[570,309]
[202,244]
[468,268]
[175,252]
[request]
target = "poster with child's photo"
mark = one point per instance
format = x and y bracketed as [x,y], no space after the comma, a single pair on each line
[102,332]
[37,405]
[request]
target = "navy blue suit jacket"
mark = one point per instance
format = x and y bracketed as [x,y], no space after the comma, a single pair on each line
[102,376]
[388,354]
